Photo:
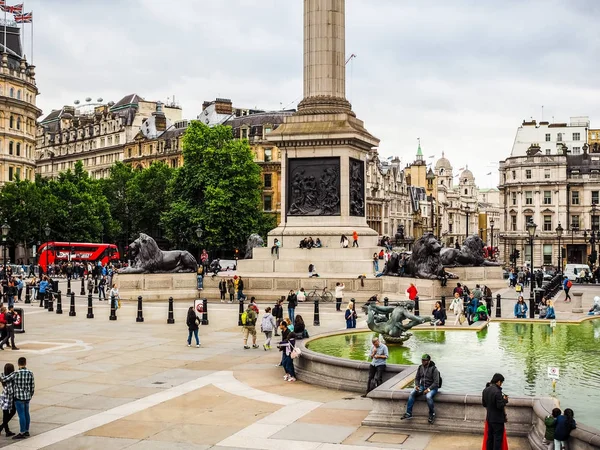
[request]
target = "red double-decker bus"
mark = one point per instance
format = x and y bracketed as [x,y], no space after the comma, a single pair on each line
[57,252]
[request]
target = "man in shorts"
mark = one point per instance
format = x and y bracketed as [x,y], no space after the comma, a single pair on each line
[250,327]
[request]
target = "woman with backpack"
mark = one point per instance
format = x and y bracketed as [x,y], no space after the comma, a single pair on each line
[193,322]
[266,326]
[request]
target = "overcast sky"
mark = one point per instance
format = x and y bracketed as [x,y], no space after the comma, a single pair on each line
[461,75]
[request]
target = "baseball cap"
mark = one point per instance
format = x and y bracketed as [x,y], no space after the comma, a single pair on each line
[425,357]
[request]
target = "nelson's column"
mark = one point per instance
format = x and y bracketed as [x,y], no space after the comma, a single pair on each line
[324,149]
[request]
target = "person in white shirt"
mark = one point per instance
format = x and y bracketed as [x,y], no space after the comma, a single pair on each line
[301,295]
[339,295]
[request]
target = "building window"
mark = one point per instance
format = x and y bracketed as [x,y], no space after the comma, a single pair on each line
[547,254]
[18,149]
[547,174]
[528,174]
[466,192]
[575,198]
[595,223]
[244,133]
[10,147]
[595,197]
[19,94]
[514,174]
[548,151]
[547,223]
[12,92]
[117,138]
[10,174]
[547,137]
[18,123]
[18,173]
[268,154]
[529,197]
[268,203]
[268,180]
[575,221]
[576,150]
[576,136]
[11,122]
[547,197]
[559,137]
[514,198]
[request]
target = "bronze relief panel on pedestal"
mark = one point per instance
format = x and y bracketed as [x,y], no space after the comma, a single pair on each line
[357,187]
[313,187]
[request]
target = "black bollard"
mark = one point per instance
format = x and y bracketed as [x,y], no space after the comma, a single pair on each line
[204,311]
[72,312]
[416,305]
[82,291]
[531,308]
[170,318]
[241,311]
[41,296]
[47,297]
[386,301]
[90,314]
[113,311]
[316,319]
[443,300]
[51,303]
[59,302]
[140,314]
[68,286]
[95,285]
[498,306]
[27,295]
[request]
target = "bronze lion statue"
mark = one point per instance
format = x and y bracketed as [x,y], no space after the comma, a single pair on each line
[425,259]
[254,240]
[146,257]
[470,254]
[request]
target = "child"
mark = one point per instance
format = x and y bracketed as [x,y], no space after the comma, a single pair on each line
[550,422]
[564,425]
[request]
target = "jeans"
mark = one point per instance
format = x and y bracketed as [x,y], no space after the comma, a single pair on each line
[413,396]
[495,434]
[101,293]
[376,266]
[11,301]
[288,365]
[241,296]
[195,333]
[22,407]
[376,374]
[291,314]
[200,281]
[223,295]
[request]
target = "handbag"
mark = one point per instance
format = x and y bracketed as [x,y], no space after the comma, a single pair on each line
[296,352]
[197,322]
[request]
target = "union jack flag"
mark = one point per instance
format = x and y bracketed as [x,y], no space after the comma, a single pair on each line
[15,9]
[24,18]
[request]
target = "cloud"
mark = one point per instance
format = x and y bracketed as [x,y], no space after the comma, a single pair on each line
[460,75]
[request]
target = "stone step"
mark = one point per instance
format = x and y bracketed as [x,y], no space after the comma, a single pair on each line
[317,254]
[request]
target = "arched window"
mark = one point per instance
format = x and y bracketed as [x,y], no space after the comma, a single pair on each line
[18,149]
[19,94]
[18,123]
[12,92]
[11,122]
[466,192]
[441,172]
[10,147]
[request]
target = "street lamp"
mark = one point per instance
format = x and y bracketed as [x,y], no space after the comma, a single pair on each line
[467,211]
[199,232]
[559,231]
[595,236]
[492,235]
[5,231]
[531,227]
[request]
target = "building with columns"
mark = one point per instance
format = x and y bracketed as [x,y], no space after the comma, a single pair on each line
[552,178]
[18,110]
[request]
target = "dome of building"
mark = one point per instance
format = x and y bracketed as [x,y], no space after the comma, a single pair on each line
[443,163]
[467,175]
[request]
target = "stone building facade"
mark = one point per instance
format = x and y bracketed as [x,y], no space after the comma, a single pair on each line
[551,178]
[95,134]
[18,111]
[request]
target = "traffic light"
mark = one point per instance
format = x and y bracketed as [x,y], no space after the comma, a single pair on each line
[517,254]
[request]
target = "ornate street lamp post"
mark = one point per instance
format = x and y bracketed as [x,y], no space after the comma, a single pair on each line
[492,236]
[531,227]
[559,231]
[467,212]
[5,231]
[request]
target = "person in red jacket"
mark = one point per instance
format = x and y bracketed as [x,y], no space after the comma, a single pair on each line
[412,292]
[355,239]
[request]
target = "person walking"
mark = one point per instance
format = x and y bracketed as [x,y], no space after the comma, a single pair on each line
[458,307]
[231,289]
[193,323]
[114,296]
[90,285]
[292,300]
[249,324]
[222,289]
[494,401]
[9,317]
[567,284]
[102,289]
[24,390]
[266,326]
[378,356]
[240,289]
[278,314]
[411,292]
[427,382]
[286,347]
[350,316]
[7,400]
[354,239]
[339,295]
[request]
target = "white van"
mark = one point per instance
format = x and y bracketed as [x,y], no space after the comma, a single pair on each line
[571,270]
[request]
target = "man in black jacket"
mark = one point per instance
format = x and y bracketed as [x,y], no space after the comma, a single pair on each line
[494,402]
[427,382]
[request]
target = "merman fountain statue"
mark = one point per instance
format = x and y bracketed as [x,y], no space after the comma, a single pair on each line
[389,320]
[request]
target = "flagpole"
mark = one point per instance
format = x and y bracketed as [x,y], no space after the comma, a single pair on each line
[4,28]
[32,37]
[22,32]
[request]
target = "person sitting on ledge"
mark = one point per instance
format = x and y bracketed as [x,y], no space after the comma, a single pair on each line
[595,310]
[310,243]
[275,248]
[312,271]
[520,308]
[427,382]
[318,243]
[300,327]
[481,313]
[344,242]
[543,308]
[550,314]
[439,315]
[304,243]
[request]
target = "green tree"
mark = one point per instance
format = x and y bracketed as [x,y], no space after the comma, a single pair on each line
[218,187]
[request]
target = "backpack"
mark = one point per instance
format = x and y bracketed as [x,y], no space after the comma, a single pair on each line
[569,284]
[518,288]
[244,317]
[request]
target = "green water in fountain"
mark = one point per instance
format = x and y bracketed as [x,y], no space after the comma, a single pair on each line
[522,352]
